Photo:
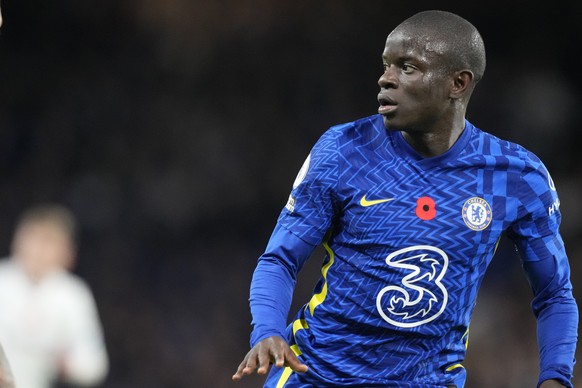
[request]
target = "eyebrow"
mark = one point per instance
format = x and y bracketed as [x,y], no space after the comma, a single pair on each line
[401,58]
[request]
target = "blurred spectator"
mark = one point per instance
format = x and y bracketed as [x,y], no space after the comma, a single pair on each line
[6,380]
[49,324]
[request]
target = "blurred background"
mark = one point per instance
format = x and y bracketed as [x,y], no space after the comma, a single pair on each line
[175,128]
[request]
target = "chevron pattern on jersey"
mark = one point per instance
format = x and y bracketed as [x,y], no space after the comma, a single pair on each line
[401,288]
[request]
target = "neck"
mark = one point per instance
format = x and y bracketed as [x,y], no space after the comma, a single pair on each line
[434,143]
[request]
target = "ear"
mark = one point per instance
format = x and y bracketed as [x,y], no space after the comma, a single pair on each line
[461,83]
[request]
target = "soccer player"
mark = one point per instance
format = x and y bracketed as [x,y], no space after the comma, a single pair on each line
[409,205]
[49,324]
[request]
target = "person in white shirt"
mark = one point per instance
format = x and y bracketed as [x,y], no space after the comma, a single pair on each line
[49,324]
[6,378]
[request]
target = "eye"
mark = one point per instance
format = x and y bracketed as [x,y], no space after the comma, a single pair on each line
[408,68]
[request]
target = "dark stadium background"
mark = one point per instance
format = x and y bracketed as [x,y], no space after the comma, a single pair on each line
[174,129]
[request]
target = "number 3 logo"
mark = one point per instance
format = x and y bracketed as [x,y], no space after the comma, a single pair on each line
[420,297]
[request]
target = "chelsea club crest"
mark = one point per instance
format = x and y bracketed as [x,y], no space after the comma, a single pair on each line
[477,213]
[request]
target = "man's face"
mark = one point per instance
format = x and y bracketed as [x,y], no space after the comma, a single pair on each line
[414,88]
[41,247]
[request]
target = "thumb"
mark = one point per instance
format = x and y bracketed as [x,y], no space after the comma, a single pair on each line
[294,363]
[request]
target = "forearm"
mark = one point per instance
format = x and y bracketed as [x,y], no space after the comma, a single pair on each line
[557,318]
[552,384]
[557,335]
[274,281]
[270,299]
[86,367]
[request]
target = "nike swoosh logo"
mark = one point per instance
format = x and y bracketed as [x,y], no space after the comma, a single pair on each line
[365,203]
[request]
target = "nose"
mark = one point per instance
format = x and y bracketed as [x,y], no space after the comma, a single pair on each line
[388,78]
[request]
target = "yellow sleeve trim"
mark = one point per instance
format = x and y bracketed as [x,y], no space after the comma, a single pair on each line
[466,337]
[296,350]
[284,377]
[454,366]
[299,324]
[318,298]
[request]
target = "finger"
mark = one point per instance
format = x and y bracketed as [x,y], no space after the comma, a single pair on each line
[237,376]
[294,363]
[279,359]
[239,372]
[264,362]
[251,364]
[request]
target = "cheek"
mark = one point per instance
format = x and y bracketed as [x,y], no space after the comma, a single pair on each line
[436,86]
[424,97]
[420,90]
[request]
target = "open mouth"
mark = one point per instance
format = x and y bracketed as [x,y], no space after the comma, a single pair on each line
[387,105]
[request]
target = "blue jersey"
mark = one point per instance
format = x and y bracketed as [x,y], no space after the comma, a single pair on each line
[408,241]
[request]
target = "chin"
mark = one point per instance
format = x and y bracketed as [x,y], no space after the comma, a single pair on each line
[391,124]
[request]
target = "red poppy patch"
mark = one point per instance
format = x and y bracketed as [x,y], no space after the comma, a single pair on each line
[425,208]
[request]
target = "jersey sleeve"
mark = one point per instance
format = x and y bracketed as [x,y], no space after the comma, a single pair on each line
[301,226]
[274,281]
[85,355]
[537,239]
[310,209]
[536,232]
[557,318]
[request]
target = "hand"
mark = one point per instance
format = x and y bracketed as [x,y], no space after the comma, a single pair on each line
[551,384]
[273,350]
[6,379]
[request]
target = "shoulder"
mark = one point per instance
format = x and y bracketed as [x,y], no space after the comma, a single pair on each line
[364,127]
[8,269]
[502,150]
[346,137]
[521,165]
[70,286]
[6,265]
[342,137]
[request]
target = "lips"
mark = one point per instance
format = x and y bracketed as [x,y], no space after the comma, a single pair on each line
[387,104]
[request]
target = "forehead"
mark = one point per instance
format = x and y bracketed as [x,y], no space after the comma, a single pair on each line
[406,44]
[42,227]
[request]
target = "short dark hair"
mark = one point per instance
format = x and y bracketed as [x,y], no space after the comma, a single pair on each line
[54,213]
[461,39]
